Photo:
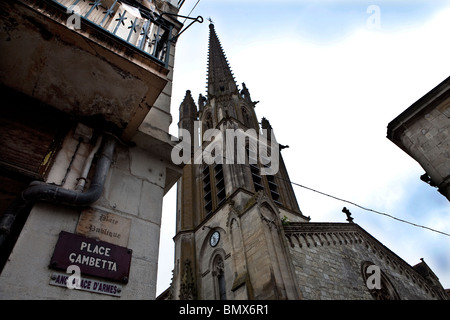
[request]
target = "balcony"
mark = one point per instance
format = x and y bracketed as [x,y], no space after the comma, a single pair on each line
[143,29]
[103,62]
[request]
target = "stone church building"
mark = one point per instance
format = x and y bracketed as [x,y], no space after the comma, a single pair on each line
[240,233]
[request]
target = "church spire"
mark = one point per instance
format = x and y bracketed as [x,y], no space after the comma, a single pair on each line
[188,111]
[220,77]
[188,115]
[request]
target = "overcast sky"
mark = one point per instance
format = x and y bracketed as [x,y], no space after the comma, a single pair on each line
[330,76]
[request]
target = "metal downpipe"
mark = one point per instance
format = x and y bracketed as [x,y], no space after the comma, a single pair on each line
[55,194]
[40,191]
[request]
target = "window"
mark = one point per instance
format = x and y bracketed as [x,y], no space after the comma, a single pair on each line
[221,282]
[378,284]
[207,198]
[220,184]
[219,187]
[219,274]
[272,183]
[256,176]
[273,187]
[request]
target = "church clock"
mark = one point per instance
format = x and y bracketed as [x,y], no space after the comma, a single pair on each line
[214,239]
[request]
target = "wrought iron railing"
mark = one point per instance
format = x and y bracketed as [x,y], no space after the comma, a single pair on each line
[139,27]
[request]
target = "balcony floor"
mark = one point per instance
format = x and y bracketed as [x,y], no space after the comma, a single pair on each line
[85,73]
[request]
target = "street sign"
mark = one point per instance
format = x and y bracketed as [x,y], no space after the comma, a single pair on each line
[94,257]
[91,285]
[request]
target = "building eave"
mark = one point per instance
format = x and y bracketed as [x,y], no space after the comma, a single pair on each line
[429,100]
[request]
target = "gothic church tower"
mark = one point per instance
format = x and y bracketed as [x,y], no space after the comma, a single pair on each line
[240,233]
[229,241]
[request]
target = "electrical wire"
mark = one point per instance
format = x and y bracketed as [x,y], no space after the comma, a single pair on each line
[357,205]
[368,209]
[189,14]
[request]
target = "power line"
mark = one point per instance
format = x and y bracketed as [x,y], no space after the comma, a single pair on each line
[189,14]
[368,209]
[357,205]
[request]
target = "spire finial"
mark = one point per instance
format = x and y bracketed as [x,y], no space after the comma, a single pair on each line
[210,21]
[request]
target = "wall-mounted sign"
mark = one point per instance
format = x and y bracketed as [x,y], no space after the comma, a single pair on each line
[92,285]
[94,257]
[104,226]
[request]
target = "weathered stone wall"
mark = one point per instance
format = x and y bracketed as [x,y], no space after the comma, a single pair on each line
[206,255]
[133,190]
[88,74]
[328,262]
[256,261]
[427,140]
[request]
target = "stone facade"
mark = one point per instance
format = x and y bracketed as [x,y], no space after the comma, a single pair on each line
[247,238]
[422,131]
[328,259]
[134,189]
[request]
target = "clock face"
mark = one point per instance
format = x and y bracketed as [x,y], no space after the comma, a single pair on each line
[214,240]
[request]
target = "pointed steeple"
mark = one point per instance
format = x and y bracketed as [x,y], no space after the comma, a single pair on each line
[220,77]
[188,112]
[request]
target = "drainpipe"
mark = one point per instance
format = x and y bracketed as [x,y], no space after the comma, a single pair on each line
[87,166]
[55,194]
[41,191]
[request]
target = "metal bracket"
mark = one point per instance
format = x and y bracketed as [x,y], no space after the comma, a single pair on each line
[199,19]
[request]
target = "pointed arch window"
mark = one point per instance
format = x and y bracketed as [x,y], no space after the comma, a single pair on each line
[219,183]
[254,168]
[272,183]
[258,182]
[273,187]
[207,196]
[219,278]
[385,290]
[213,184]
